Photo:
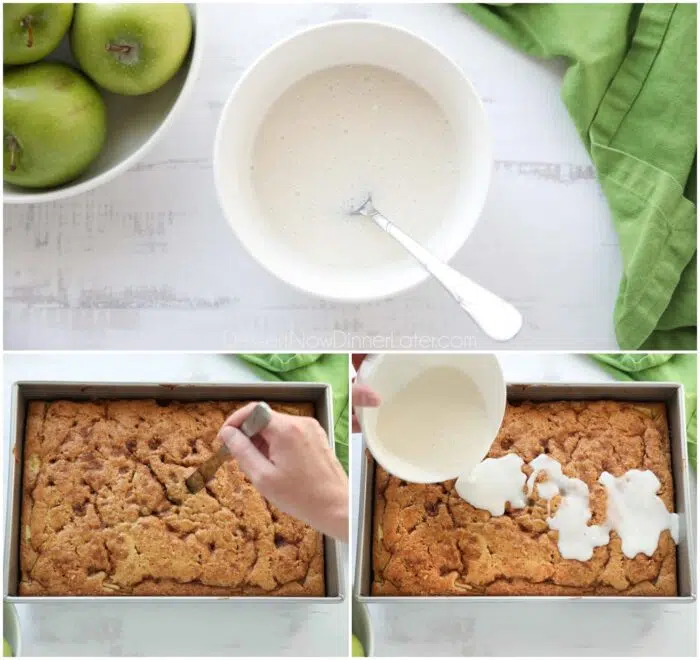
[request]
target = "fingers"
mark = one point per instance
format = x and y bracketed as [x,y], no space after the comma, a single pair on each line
[280,425]
[238,417]
[250,459]
[262,446]
[364,397]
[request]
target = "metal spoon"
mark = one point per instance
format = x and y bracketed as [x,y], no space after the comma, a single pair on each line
[496,317]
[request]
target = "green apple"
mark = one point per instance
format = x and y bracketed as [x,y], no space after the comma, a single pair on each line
[31,31]
[357,649]
[54,124]
[131,48]
[6,649]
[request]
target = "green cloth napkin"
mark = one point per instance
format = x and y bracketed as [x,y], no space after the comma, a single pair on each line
[676,368]
[312,368]
[630,89]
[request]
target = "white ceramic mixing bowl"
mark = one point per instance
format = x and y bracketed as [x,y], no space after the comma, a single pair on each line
[388,373]
[134,124]
[321,47]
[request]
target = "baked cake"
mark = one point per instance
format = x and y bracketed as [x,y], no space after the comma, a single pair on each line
[105,509]
[428,541]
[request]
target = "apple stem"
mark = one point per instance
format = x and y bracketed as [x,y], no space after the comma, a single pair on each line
[118,48]
[14,149]
[27,25]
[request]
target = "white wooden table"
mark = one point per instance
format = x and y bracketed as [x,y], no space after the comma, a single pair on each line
[148,260]
[532,628]
[174,629]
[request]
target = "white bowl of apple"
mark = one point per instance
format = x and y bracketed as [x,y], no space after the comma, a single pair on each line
[88,89]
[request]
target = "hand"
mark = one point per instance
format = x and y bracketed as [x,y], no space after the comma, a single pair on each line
[362,395]
[294,468]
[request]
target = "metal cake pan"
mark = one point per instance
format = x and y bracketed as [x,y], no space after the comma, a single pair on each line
[317,393]
[669,393]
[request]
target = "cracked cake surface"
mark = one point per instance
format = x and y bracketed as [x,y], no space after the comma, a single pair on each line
[428,541]
[105,508]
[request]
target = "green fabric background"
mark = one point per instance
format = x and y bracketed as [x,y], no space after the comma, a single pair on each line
[316,368]
[661,367]
[630,89]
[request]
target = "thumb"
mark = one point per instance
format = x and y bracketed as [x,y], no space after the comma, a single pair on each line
[364,397]
[256,467]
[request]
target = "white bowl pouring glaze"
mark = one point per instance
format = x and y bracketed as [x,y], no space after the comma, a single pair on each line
[134,124]
[321,47]
[388,373]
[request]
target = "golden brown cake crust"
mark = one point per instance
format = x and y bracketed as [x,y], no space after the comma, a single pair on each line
[428,541]
[105,509]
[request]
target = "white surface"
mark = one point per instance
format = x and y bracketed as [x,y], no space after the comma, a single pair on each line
[210,629]
[533,628]
[149,261]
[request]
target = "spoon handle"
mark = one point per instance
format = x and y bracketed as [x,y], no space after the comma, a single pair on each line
[495,316]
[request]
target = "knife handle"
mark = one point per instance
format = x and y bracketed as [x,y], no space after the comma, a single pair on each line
[258,419]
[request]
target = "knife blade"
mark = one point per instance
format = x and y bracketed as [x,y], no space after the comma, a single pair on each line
[258,419]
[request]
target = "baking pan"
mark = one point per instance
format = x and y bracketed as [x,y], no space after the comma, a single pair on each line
[669,393]
[317,393]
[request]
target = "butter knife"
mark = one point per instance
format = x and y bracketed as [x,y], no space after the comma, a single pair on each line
[258,419]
